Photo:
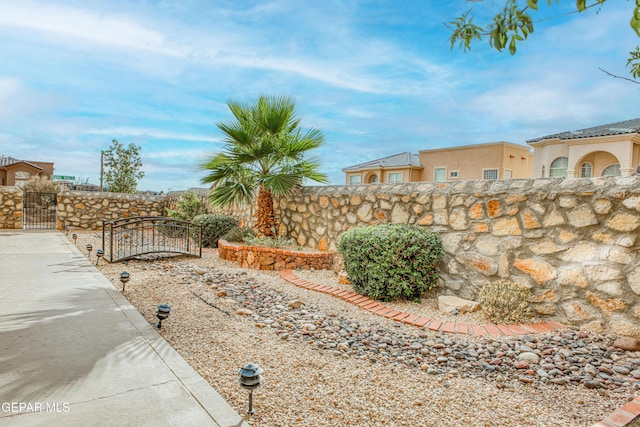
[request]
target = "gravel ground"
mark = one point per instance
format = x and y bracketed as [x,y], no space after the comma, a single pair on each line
[328,363]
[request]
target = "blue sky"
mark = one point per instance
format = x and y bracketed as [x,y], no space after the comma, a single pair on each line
[377,77]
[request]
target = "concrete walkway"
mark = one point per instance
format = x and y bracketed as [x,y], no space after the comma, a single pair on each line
[74,352]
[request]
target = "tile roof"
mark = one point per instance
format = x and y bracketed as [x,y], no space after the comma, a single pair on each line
[6,161]
[618,128]
[397,160]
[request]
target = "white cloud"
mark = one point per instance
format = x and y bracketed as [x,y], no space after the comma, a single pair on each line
[153,133]
[116,30]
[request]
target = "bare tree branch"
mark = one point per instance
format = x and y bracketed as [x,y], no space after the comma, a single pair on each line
[619,77]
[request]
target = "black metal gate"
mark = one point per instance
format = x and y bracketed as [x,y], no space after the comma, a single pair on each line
[39,210]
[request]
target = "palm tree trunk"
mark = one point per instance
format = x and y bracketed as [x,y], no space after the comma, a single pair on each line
[265,216]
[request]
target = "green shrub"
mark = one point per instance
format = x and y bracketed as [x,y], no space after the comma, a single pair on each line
[214,227]
[189,206]
[239,234]
[505,301]
[391,260]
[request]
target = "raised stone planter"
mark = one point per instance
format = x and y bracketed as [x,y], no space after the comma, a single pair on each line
[261,258]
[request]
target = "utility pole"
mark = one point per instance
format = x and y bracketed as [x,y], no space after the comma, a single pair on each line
[101,170]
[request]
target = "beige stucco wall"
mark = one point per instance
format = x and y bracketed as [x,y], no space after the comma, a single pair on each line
[470,161]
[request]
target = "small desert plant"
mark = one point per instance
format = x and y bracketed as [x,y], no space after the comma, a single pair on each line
[505,301]
[239,234]
[272,242]
[41,184]
[188,207]
[214,227]
[391,260]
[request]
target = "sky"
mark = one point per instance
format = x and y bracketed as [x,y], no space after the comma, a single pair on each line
[377,77]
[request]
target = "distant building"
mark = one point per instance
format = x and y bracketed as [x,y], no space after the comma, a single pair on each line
[403,167]
[611,149]
[15,172]
[86,186]
[495,160]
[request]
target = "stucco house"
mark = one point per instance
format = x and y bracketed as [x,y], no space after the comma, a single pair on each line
[402,167]
[15,172]
[611,149]
[495,160]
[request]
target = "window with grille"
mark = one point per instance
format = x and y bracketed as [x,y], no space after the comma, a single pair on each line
[586,170]
[354,180]
[490,174]
[558,168]
[439,174]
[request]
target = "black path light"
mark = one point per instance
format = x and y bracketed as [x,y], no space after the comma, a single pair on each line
[74,236]
[89,249]
[124,278]
[250,378]
[99,254]
[162,313]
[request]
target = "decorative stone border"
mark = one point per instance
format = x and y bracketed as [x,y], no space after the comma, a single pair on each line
[261,258]
[422,322]
[621,417]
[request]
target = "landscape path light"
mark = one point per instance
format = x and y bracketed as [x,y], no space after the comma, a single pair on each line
[89,249]
[74,236]
[162,313]
[250,378]
[99,254]
[124,278]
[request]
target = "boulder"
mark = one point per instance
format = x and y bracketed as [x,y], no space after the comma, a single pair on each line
[343,278]
[295,304]
[627,343]
[449,303]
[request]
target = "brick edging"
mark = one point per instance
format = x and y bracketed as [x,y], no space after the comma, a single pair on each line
[623,416]
[422,322]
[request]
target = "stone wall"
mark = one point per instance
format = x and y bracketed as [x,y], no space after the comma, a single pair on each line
[10,207]
[259,258]
[573,242]
[87,210]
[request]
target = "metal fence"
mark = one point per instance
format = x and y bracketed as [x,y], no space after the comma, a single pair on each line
[39,210]
[126,238]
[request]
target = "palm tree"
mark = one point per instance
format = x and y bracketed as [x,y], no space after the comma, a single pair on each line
[264,154]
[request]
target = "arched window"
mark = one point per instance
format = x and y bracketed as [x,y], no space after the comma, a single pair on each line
[558,168]
[373,179]
[611,170]
[586,170]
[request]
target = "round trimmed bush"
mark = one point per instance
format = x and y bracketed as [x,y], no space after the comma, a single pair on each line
[214,227]
[391,261]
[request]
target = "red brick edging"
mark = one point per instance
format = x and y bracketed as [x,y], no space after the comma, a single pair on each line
[621,417]
[422,322]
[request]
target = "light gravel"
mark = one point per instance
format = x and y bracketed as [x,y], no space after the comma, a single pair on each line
[309,385]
